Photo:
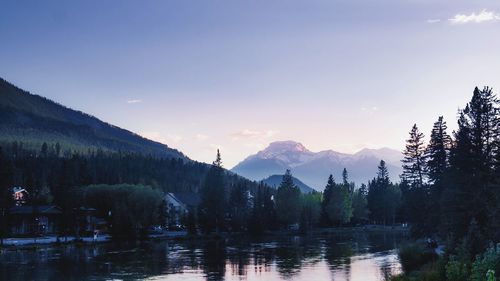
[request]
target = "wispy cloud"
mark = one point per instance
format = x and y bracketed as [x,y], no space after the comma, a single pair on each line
[246,134]
[134,101]
[201,137]
[483,16]
[433,20]
[370,109]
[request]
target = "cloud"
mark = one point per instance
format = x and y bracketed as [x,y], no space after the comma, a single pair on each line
[483,16]
[433,20]
[201,137]
[370,109]
[250,134]
[134,101]
[214,147]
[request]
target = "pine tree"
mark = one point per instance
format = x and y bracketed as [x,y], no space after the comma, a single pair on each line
[327,195]
[218,160]
[437,151]
[345,177]
[213,200]
[414,158]
[469,194]
[288,201]
[238,206]
[337,201]
[383,197]
[360,205]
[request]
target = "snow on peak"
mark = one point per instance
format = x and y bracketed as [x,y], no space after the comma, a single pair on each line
[286,146]
[289,152]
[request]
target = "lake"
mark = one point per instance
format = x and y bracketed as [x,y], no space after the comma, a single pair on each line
[356,256]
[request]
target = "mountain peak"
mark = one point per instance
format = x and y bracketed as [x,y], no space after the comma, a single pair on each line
[286,146]
[313,168]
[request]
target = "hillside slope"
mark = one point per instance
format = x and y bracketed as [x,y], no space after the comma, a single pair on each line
[33,120]
[275,181]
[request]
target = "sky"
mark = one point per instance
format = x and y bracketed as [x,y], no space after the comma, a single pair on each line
[237,75]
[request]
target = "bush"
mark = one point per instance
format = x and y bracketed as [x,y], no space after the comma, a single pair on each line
[489,261]
[456,270]
[413,256]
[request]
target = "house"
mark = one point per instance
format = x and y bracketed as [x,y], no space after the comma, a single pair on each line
[175,210]
[29,220]
[20,195]
[86,221]
[178,205]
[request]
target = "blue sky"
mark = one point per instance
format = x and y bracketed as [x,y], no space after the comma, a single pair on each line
[236,75]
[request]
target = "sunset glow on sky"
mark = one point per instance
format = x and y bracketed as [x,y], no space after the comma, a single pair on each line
[236,75]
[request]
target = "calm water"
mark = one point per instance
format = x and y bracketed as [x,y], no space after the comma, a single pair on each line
[355,257]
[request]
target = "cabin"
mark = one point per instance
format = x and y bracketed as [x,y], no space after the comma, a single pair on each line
[86,221]
[34,220]
[20,195]
[178,205]
[175,210]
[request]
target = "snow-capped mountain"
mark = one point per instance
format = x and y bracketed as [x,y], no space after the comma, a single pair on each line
[313,168]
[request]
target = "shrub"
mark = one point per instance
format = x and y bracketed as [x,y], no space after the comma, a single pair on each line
[456,270]
[414,255]
[486,264]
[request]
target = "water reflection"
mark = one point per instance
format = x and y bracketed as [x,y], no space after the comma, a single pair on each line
[352,257]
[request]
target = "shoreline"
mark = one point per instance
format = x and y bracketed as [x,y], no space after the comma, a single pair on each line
[51,241]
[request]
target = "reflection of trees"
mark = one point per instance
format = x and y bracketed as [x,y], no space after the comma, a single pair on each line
[386,268]
[312,249]
[292,252]
[338,252]
[239,260]
[286,254]
[214,258]
[263,258]
[288,259]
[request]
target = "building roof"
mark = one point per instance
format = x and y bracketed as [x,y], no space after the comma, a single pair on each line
[42,209]
[190,199]
[171,199]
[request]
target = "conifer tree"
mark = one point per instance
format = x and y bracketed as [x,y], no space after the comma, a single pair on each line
[327,195]
[287,198]
[213,200]
[337,201]
[383,197]
[360,204]
[468,194]
[345,177]
[437,151]
[414,158]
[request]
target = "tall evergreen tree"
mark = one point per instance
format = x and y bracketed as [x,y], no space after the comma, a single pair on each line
[437,151]
[327,195]
[345,177]
[213,200]
[287,198]
[414,158]
[337,201]
[239,208]
[468,195]
[360,205]
[383,197]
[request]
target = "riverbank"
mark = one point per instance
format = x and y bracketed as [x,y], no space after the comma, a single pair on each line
[31,242]
[278,257]
[20,243]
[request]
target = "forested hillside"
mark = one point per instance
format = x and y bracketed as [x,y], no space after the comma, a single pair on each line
[33,120]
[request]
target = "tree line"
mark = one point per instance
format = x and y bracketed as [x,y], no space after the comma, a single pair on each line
[451,189]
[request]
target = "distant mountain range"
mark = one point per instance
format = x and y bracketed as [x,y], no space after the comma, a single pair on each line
[275,181]
[313,168]
[34,120]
